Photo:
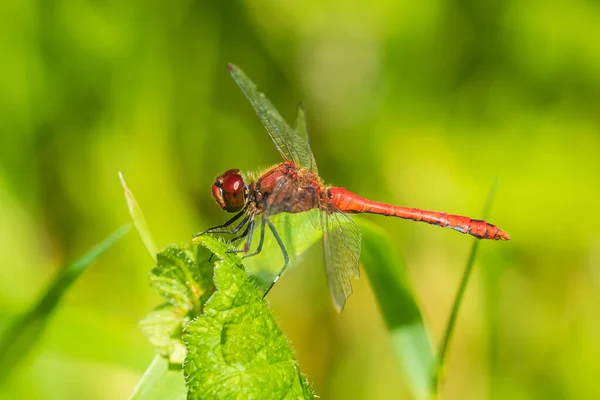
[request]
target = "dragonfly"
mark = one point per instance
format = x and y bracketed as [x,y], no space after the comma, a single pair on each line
[294,186]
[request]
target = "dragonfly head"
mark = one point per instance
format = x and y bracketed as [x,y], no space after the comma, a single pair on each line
[230,191]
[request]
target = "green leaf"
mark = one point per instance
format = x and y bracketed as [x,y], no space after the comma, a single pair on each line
[235,349]
[160,382]
[21,336]
[183,275]
[386,272]
[163,328]
[138,219]
[233,344]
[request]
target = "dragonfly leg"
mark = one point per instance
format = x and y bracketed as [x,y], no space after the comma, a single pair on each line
[249,227]
[234,230]
[286,259]
[248,232]
[226,224]
[219,228]
[249,241]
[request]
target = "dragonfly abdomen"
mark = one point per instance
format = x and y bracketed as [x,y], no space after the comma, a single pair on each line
[350,202]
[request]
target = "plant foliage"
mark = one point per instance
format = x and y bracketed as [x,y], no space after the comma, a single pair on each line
[221,329]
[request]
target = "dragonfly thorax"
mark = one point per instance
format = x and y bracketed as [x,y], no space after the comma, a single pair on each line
[230,191]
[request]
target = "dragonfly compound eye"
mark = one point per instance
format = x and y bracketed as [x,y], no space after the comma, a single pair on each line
[229,191]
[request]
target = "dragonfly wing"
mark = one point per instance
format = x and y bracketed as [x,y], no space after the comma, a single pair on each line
[302,130]
[301,125]
[341,248]
[292,146]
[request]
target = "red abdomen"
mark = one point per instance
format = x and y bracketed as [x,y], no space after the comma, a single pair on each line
[350,202]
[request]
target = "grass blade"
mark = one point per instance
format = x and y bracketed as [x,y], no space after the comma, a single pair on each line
[26,329]
[461,289]
[385,269]
[160,382]
[138,220]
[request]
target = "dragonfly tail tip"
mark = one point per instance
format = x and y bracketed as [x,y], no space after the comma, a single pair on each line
[503,235]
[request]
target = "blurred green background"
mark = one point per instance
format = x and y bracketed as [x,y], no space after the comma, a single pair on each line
[420,104]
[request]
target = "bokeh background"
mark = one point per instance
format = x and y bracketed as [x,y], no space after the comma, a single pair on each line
[416,103]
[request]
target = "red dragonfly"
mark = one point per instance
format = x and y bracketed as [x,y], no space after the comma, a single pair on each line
[294,186]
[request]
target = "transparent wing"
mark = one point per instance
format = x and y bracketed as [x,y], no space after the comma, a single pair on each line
[292,146]
[302,130]
[341,248]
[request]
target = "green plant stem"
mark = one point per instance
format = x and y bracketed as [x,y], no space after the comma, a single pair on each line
[461,291]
